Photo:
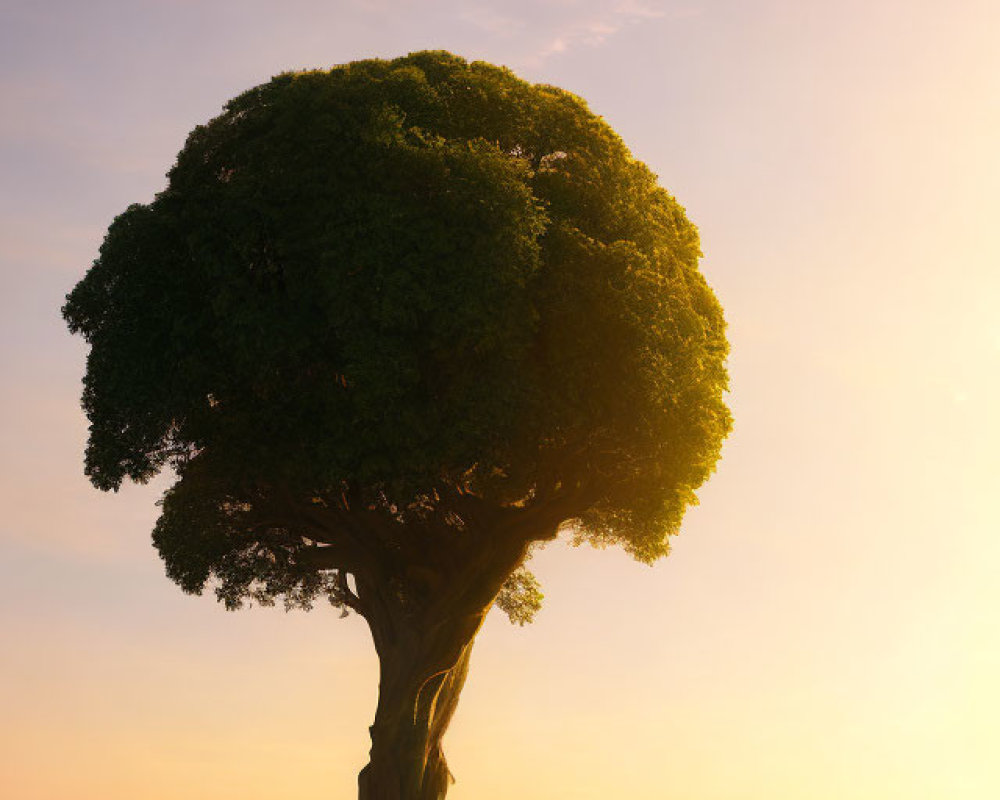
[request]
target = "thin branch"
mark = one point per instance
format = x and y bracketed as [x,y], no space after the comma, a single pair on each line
[351,600]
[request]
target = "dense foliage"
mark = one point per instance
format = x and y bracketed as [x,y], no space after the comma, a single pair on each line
[391,287]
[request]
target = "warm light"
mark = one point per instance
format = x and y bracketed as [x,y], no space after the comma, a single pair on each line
[827,626]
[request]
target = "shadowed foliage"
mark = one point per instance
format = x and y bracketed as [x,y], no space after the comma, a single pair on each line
[392,324]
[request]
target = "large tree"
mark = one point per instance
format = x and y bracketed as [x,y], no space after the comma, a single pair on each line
[390,325]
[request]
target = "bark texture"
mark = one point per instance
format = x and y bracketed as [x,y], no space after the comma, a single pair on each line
[407,758]
[423,620]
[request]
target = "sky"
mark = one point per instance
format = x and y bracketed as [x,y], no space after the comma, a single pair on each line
[828,624]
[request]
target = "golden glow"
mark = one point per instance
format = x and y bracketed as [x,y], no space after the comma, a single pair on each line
[828,625]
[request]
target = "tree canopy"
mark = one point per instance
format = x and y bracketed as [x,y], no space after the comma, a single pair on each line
[395,286]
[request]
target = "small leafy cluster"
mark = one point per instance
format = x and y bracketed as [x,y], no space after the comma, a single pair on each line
[520,597]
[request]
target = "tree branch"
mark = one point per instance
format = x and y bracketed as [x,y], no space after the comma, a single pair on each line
[351,600]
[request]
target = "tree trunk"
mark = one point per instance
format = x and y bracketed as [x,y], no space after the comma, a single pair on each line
[423,619]
[417,698]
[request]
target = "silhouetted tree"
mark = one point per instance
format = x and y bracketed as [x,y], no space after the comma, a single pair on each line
[390,325]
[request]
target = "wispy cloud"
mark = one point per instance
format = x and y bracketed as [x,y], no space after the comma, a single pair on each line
[593,26]
[546,29]
[492,21]
[591,33]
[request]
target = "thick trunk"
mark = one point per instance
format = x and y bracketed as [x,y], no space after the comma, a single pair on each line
[417,699]
[423,617]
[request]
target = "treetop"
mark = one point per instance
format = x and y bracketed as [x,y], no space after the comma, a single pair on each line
[402,287]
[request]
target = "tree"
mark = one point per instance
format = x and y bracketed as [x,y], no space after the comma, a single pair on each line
[391,325]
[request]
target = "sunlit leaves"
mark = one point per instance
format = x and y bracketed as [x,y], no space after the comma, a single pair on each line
[520,597]
[402,276]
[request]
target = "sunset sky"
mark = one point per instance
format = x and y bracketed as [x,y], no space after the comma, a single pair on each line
[828,625]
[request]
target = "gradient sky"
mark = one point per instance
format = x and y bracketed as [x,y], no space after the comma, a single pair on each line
[828,625]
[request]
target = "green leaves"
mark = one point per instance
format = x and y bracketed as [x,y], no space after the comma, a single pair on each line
[404,276]
[520,597]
